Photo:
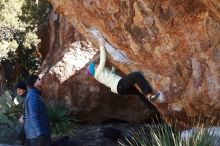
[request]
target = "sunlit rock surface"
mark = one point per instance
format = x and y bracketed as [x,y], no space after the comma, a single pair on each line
[175,43]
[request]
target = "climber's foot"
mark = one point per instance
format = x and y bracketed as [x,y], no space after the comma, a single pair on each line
[152,97]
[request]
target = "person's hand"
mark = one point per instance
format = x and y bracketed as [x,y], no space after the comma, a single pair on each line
[113,69]
[98,36]
[101,42]
[21,119]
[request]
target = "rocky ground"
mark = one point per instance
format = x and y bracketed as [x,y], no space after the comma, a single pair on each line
[92,135]
[104,135]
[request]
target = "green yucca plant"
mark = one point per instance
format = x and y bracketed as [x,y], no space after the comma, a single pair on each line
[6,101]
[8,107]
[201,137]
[8,127]
[153,135]
[8,115]
[164,135]
[61,121]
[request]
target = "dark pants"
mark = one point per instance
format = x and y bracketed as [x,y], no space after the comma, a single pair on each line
[126,84]
[41,141]
[22,135]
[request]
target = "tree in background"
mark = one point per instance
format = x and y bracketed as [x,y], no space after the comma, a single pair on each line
[19,20]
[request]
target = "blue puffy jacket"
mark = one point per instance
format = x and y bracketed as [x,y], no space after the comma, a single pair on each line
[36,117]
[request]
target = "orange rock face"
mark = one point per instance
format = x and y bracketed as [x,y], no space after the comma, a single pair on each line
[65,80]
[175,43]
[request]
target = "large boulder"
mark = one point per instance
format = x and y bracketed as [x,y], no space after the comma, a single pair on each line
[66,80]
[175,43]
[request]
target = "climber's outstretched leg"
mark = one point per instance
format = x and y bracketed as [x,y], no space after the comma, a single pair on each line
[127,82]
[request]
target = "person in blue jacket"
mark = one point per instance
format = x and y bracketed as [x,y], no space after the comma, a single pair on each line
[120,85]
[36,124]
[21,89]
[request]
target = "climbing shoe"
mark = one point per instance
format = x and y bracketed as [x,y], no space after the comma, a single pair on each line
[152,97]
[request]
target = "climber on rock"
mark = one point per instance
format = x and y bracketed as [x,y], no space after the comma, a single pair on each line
[120,85]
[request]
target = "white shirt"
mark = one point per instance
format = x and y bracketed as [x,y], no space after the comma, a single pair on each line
[104,75]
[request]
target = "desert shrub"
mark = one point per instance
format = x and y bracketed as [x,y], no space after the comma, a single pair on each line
[9,115]
[62,122]
[164,135]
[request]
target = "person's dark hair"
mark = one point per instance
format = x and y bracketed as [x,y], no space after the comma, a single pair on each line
[21,85]
[31,80]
